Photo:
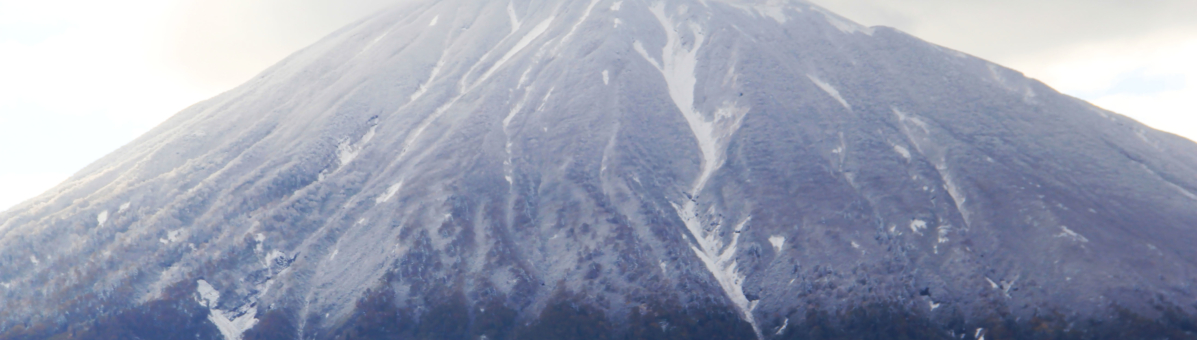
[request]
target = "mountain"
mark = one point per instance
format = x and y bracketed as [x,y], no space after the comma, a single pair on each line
[551,169]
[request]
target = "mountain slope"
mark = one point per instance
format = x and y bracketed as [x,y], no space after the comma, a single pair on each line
[552,169]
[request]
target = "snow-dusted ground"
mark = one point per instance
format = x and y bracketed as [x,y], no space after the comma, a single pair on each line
[748,156]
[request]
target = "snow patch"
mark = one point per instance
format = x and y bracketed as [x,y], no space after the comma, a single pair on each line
[33,259]
[617,22]
[777,242]
[515,20]
[917,226]
[606,78]
[943,233]
[954,191]
[679,60]
[678,66]
[434,21]
[904,118]
[260,238]
[933,305]
[171,237]
[124,207]
[463,88]
[1178,188]
[514,110]
[508,169]
[272,258]
[901,150]
[617,5]
[608,149]
[783,327]
[375,41]
[830,90]
[523,78]
[435,70]
[536,32]
[347,151]
[209,294]
[103,217]
[394,188]
[919,133]
[232,324]
[720,261]
[574,28]
[1006,286]
[545,101]
[1068,233]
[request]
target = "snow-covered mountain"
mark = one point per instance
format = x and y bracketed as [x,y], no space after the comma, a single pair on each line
[618,169]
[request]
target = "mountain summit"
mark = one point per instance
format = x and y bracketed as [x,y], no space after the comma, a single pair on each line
[602,169]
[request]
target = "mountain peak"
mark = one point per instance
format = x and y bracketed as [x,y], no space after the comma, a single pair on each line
[636,168]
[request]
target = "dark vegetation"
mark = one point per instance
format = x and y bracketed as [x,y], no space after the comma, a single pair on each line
[1173,324]
[886,322]
[449,315]
[273,325]
[864,323]
[379,317]
[564,318]
[175,316]
[669,321]
[567,318]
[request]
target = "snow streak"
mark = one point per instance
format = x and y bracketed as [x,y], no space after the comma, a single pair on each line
[919,134]
[465,87]
[232,324]
[830,90]
[677,65]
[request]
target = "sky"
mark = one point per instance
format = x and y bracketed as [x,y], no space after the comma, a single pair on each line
[80,78]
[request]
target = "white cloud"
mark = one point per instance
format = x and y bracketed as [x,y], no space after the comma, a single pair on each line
[80,78]
[100,63]
[222,43]
[1130,57]
[1153,81]
[20,187]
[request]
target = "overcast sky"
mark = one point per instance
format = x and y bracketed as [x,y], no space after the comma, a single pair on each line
[80,78]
